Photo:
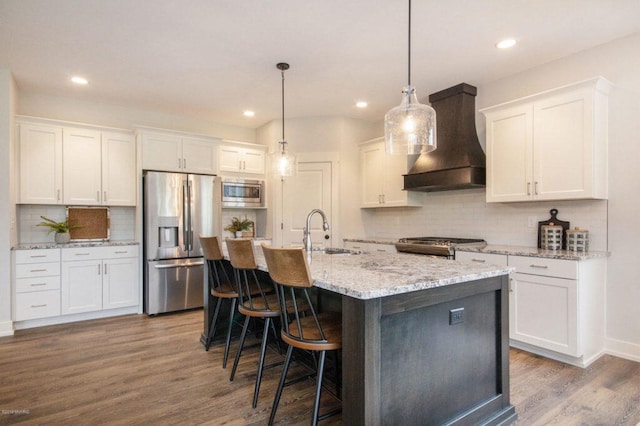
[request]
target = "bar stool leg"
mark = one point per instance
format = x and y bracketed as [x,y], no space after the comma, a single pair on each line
[283,378]
[234,302]
[316,405]
[240,346]
[263,350]
[213,325]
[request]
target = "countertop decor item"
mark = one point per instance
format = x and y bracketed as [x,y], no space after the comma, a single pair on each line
[60,228]
[240,226]
[578,239]
[94,223]
[553,220]
[410,128]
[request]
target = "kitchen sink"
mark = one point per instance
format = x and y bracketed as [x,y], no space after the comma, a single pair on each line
[336,250]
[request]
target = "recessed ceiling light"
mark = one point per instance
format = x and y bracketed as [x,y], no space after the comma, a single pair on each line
[79,80]
[249,113]
[361,104]
[506,43]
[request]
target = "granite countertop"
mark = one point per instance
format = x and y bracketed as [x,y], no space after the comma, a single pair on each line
[52,245]
[534,252]
[373,275]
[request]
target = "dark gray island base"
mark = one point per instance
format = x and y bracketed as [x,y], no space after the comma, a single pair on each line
[404,363]
[425,341]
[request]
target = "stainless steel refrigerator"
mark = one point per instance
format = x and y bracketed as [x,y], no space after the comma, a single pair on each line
[178,207]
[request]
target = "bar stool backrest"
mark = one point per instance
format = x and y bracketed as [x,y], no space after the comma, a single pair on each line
[253,295]
[289,270]
[211,248]
[241,254]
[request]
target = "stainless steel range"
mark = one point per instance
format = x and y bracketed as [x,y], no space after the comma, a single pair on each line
[435,246]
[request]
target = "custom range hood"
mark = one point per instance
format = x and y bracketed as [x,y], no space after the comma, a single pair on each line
[458,162]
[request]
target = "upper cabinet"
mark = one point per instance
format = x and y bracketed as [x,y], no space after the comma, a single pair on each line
[381,177]
[549,146]
[238,158]
[99,165]
[40,164]
[175,152]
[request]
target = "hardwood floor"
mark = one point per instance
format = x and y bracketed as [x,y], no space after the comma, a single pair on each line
[140,370]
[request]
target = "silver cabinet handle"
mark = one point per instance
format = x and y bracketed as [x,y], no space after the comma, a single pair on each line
[98,269]
[37,255]
[539,266]
[478,260]
[121,252]
[528,188]
[83,254]
[184,163]
[38,284]
[105,269]
[39,306]
[38,270]
[58,196]
[511,285]
[535,188]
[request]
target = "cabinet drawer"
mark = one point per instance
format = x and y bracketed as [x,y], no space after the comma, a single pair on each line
[37,256]
[31,270]
[120,251]
[83,253]
[39,304]
[547,267]
[25,285]
[488,258]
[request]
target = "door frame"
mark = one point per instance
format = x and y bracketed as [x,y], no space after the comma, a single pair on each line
[277,201]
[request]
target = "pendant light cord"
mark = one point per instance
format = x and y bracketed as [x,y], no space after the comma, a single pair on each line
[282,71]
[409,49]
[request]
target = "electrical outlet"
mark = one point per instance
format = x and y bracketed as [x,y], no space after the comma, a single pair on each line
[532,221]
[456,316]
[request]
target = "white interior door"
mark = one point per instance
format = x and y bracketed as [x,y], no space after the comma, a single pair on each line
[311,188]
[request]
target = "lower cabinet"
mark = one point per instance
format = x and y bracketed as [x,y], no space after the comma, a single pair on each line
[98,278]
[556,306]
[37,284]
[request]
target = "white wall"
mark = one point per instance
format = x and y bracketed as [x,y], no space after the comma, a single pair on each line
[111,115]
[8,102]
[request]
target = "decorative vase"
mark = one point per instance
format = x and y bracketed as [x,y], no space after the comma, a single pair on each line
[62,237]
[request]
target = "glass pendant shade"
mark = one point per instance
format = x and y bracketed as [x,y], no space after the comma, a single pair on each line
[410,128]
[283,162]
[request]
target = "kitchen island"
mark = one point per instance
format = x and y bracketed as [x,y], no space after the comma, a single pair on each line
[425,341]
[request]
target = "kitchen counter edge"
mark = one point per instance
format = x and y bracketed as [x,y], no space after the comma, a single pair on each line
[535,252]
[46,245]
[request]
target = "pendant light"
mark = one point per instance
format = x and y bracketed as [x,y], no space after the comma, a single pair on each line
[284,163]
[410,128]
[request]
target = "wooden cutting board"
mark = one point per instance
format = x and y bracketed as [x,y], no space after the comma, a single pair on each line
[554,220]
[93,223]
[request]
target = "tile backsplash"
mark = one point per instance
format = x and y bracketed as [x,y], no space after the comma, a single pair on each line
[122,222]
[465,214]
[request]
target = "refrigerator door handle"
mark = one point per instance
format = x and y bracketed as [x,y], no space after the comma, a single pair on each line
[178,265]
[185,212]
[188,211]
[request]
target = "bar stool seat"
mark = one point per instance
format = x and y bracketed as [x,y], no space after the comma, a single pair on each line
[221,290]
[317,332]
[256,300]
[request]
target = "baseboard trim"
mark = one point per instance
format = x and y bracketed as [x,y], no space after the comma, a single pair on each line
[622,349]
[6,328]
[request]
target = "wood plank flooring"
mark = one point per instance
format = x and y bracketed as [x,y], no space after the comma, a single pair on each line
[138,370]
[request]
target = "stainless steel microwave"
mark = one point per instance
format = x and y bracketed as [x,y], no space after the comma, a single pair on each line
[242,193]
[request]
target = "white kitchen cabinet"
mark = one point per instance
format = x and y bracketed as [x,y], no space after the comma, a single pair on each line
[98,278]
[179,153]
[549,146]
[37,284]
[40,152]
[557,307]
[381,178]
[99,167]
[241,159]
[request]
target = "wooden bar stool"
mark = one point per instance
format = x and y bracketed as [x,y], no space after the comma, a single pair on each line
[221,290]
[256,300]
[317,332]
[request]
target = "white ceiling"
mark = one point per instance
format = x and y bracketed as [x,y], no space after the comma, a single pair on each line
[213,59]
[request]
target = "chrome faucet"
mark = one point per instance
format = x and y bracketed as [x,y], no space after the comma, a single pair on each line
[306,232]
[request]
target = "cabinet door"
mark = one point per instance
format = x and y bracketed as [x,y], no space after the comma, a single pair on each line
[509,154]
[118,169]
[563,146]
[395,167]
[161,152]
[544,312]
[371,174]
[230,158]
[40,164]
[81,286]
[253,161]
[82,166]
[120,283]
[199,155]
